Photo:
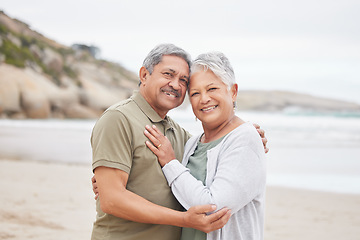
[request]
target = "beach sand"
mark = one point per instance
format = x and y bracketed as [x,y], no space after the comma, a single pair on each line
[48,201]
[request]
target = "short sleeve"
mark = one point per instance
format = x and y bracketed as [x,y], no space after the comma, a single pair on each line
[111,142]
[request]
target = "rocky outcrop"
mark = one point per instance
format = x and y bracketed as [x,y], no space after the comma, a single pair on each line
[40,78]
[9,93]
[25,93]
[52,60]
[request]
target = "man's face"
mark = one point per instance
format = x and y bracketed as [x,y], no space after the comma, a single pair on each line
[165,88]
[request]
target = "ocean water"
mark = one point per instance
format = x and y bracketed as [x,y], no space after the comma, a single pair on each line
[311,152]
[317,152]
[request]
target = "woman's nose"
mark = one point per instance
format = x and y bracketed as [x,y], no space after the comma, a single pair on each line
[204,98]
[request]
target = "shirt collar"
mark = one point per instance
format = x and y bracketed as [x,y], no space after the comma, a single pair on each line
[146,108]
[150,112]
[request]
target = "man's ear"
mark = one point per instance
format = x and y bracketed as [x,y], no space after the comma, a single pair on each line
[143,75]
[234,92]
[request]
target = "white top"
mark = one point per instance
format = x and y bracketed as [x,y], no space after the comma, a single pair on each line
[236,177]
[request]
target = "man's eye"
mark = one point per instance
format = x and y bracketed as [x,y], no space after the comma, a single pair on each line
[212,89]
[184,81]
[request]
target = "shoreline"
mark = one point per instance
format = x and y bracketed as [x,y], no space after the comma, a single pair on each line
[47,200]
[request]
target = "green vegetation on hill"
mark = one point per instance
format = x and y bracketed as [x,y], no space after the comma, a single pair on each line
[41,78]
[21,56]
[15,55]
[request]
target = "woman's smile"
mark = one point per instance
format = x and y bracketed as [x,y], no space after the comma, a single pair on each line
[208,109]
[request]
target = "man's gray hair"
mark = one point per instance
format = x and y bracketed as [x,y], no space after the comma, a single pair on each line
[154,57]
[218,63]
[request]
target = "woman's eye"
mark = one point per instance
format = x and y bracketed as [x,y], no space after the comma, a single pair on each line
[193,94]
[212,89]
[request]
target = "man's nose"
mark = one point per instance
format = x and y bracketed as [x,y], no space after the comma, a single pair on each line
[175,83]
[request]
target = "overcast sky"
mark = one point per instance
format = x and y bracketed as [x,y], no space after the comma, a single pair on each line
[309,46]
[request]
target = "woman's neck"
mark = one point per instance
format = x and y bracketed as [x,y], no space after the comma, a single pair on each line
[214,133]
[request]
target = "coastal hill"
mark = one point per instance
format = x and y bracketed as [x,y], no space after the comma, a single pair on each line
[292,102]
[40,78]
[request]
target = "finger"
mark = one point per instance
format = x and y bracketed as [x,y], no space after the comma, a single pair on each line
[151,137]
[95,189]
[264,140]
[157,131]
[220,222]
[150,130]
[152,147]
[261,132]
[153,130]
[266,150]
[204,208]
[217,215]
[257,126]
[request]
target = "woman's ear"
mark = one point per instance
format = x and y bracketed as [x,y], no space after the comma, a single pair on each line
[234,92]
[143,74]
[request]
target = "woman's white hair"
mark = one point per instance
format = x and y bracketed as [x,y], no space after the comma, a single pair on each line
[218,63]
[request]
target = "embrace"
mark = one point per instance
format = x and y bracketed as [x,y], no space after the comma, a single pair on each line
[153,180]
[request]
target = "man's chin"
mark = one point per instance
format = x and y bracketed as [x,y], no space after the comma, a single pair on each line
[171,104]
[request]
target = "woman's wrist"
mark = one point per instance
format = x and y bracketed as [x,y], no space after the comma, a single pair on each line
[166,162]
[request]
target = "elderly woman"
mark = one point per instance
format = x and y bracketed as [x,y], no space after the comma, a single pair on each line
[225,165]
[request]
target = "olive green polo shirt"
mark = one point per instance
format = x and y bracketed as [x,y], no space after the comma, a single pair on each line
[118,141]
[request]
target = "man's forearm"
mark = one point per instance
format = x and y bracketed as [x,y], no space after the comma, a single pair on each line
[116,200]
[130,206]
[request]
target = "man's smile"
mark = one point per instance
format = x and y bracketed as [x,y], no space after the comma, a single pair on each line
[171,92]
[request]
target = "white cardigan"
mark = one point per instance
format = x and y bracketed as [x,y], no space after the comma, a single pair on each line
[235,178]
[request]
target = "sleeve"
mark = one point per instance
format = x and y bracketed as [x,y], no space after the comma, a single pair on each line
[239,178]
[111,142]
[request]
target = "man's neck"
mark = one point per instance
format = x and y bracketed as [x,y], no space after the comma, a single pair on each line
[161,114]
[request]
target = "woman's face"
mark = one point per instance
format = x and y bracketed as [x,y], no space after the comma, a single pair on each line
[211,101]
